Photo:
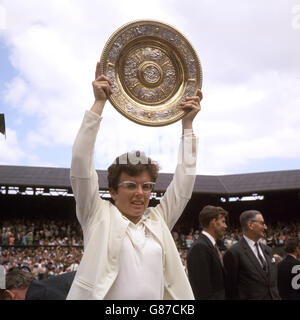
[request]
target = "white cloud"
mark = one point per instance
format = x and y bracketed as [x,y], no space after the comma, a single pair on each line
[10,150]
[34,140]
[224,158]
[15,91]
[253,122]
[2,18]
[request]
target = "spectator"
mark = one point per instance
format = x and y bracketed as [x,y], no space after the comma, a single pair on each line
[188,241]
[286,273]
[29,238]
[74,266]
[182,242]
[227,241]
[205,266]
[11,239]
[250,271]
[196,235]
[24,239]
[281,240]
[22,285]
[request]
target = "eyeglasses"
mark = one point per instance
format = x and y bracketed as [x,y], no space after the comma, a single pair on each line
[261,222]
[133,186]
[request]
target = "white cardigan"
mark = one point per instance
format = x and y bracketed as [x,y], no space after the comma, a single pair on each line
[104,228]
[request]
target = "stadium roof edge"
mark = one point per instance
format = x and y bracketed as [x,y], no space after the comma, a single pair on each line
[247,183]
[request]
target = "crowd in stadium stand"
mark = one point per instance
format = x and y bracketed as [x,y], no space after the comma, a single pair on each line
[51,247]
[45,246]
[40,232]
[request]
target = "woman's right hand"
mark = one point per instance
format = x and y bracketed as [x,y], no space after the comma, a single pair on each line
[102,90]
[101,85]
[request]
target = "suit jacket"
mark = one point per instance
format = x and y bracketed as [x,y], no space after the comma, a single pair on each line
[245,278]
[104,226]
[285,277]
[53,288]
[206,273]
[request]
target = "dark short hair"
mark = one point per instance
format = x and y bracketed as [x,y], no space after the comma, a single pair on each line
[291,245]
[17,279]
[209,213]
[133,164]
[247,216]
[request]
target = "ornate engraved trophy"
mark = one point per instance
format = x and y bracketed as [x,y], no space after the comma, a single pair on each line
[153,68]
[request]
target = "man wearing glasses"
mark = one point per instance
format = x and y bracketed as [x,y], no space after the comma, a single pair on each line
[129,252]
[251,272]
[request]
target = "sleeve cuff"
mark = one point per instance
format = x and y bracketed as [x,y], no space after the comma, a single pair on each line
[92,114]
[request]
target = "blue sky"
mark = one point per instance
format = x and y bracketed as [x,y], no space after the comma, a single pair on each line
[249,51]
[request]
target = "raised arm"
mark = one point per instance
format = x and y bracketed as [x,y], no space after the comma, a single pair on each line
[84,178]
[180,189]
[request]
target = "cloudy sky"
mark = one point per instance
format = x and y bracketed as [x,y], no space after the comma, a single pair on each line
[249,51]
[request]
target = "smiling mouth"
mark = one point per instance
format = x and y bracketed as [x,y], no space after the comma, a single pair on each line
[137,203]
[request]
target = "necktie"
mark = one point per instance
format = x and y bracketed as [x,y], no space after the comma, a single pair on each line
[219,254]
[262,260]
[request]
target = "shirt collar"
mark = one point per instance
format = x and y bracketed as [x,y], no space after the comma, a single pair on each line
[134,225]
[210,237]
[290,254]
[249,241]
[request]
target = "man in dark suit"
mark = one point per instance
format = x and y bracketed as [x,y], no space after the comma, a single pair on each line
[251,272]
[21,285]
[289,271]
[204,260]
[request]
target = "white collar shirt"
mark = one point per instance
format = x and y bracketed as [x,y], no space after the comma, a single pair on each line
[210,237]
[252,246]
[140,275]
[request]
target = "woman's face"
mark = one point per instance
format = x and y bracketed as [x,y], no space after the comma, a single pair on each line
[132,203]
